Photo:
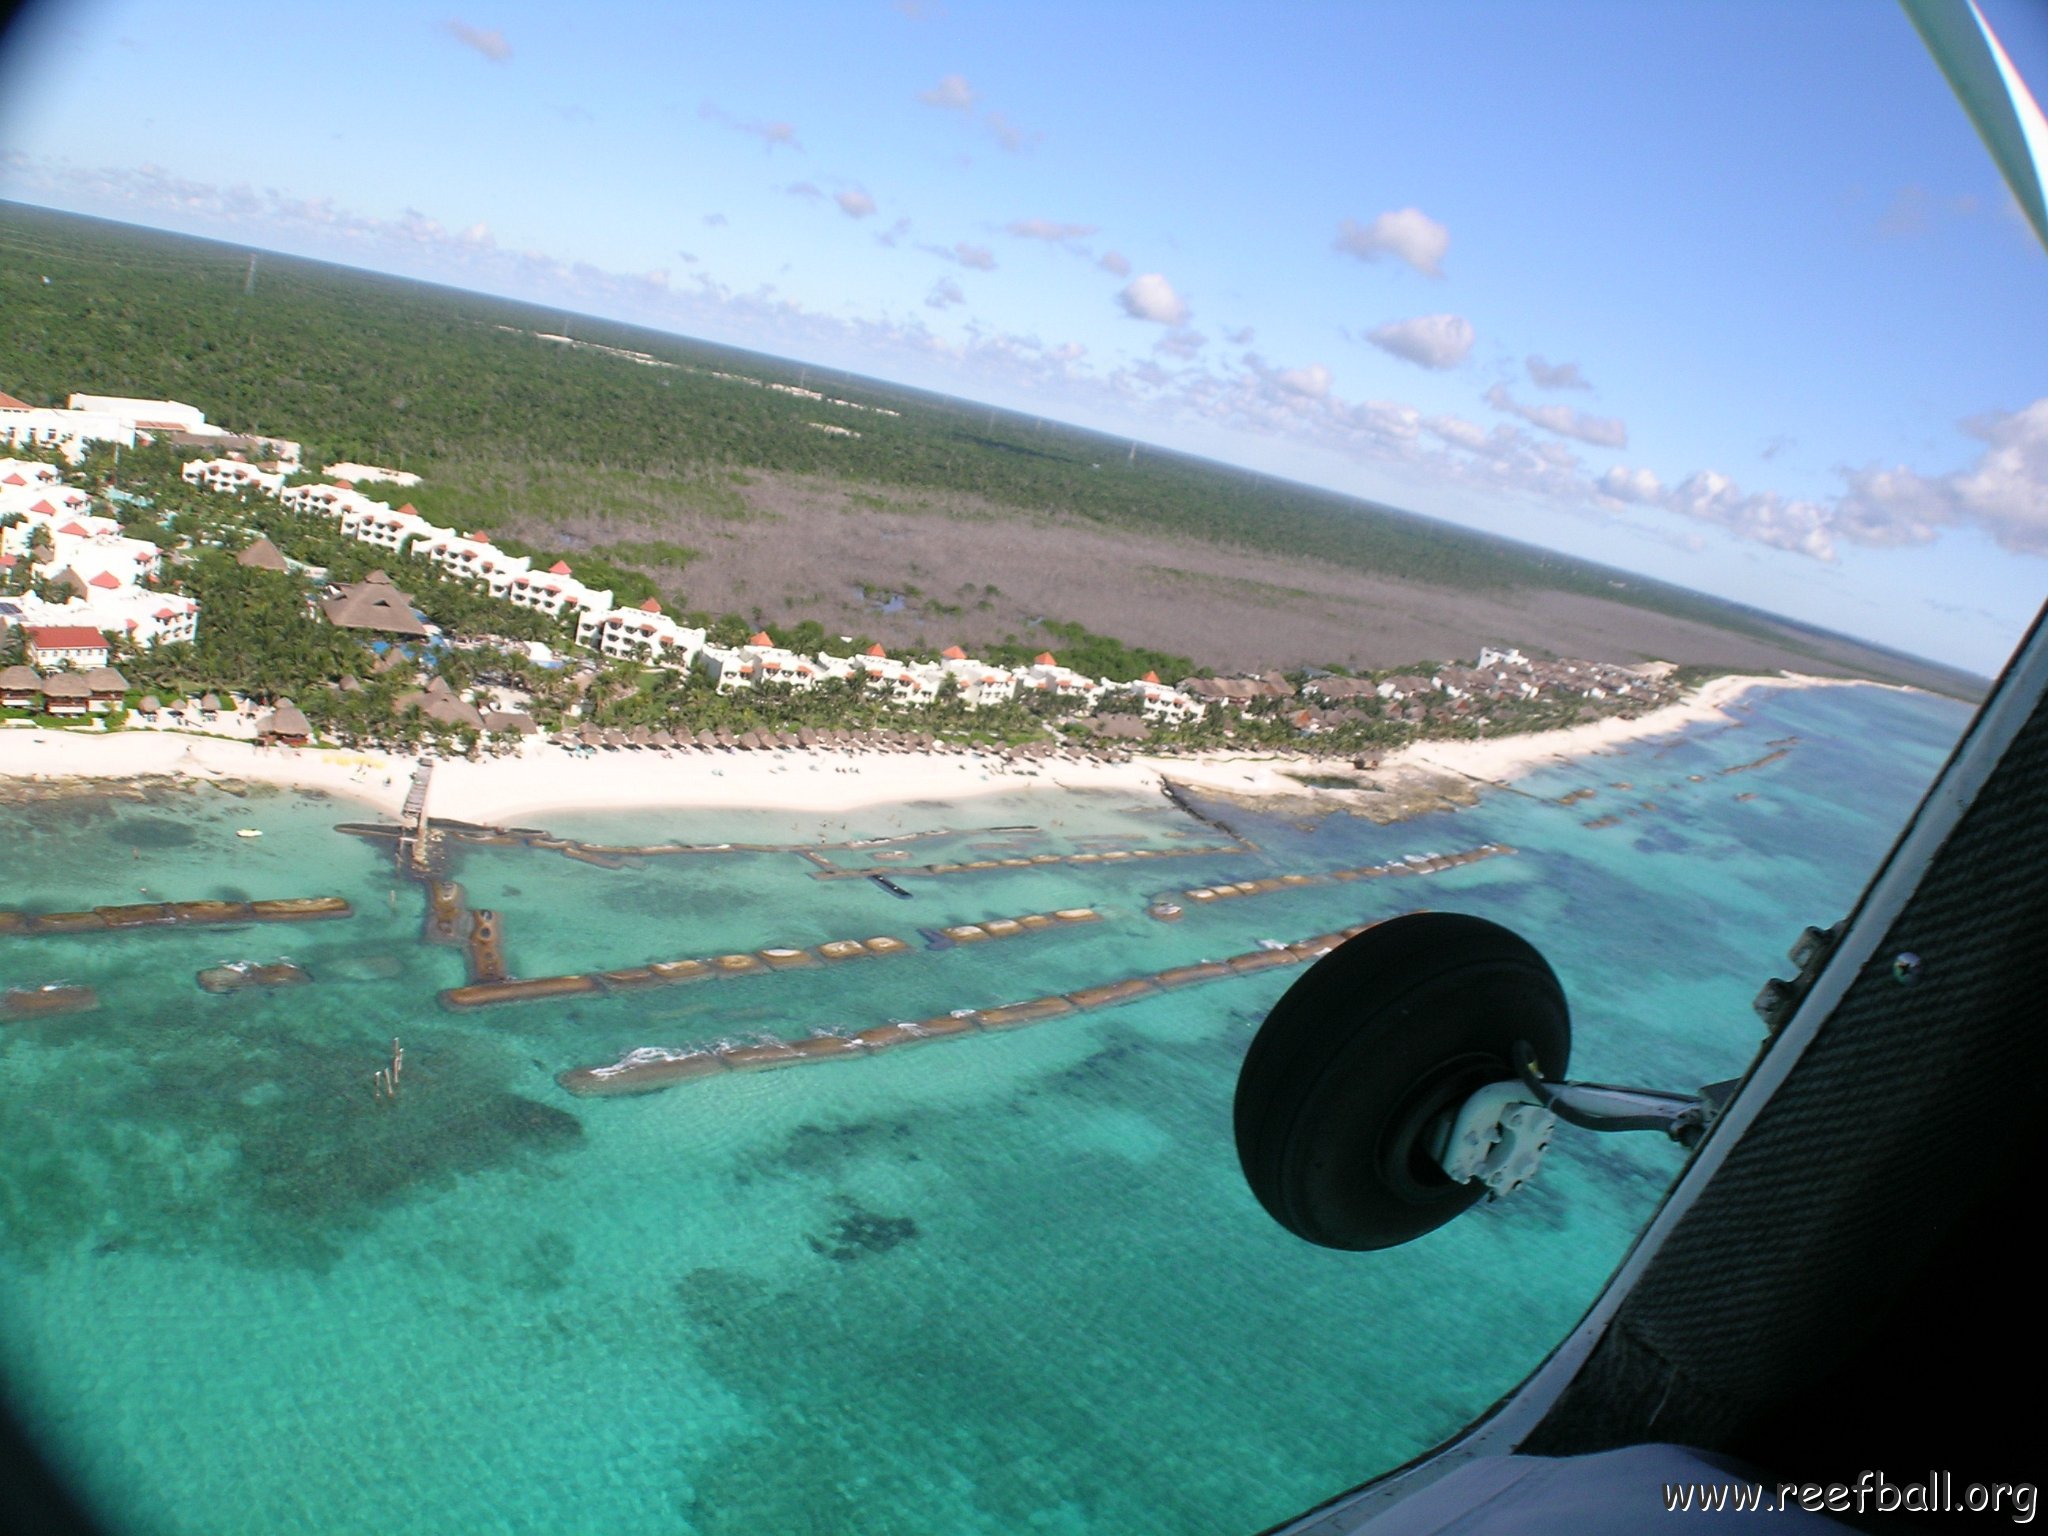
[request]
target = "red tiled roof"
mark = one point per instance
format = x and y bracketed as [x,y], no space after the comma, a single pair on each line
[9,403]
[65,637]
[44,509]
[953,653]
[1149,677]
[1044,659]
[761,639]
[106,581]
[652,605]
[559,568]
[13,480]
[474,538]
[74,530]
[412,511]
[876,650]
[165,613]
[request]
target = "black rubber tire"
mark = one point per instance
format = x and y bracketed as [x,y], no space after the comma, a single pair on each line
[1364,1051]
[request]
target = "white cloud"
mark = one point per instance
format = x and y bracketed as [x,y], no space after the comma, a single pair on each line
[1637,486]
[488,42]
[806,189]
[1183,344]
[1309,383]
[952,93]
[1432,341]
[1554,375]
[1115,261]
[479,234]
[944,295]
[716,220]
[773,135]
[978,257]
[1048,229]
[1600,431]
[1151,297]
[1241,337]
[1008,134]
[854,203]
[1408,234]
[2005,492]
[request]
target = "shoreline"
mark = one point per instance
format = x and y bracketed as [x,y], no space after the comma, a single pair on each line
[543,778]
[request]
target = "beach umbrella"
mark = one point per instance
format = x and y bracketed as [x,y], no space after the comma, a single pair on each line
[662,741]
[791,740]
[641,736]
[590,736]
[615,737]
[708,739]
[725,741]
[807,738]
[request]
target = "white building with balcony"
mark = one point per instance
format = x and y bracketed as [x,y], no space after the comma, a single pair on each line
[981,683]
[644,634]
[1163,702]
[759,662]
[230,477]
[555,590]
[1045,676]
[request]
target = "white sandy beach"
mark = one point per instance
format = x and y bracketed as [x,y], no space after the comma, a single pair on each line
[544,777]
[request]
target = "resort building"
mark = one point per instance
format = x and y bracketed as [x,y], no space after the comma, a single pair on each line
[66,693]
[147,415]
[1046,676]
[230,477]
[757,662]
[356,474]
[470,556]
[18,474]
[1164,703]
[903,682]
[372,522]
[21,688]
[70,433]
[553,590]
[284,726]
[262,555]
[644,633]
[146,617]
[326,500]
[980,683]
[66,645]
[372,604]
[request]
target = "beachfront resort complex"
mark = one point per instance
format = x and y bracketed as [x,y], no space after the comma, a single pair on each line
[85,592]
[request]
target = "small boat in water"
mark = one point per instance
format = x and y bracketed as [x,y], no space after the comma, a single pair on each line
[890,886]
[247,832]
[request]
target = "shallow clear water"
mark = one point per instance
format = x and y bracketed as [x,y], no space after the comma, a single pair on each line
[1002,1283]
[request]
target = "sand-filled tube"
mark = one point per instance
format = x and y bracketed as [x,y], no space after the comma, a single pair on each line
[243,975]
[483,994]
[46,1002]
[295,909]
[646,1070]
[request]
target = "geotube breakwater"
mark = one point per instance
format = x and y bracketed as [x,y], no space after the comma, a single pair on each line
[652,1067]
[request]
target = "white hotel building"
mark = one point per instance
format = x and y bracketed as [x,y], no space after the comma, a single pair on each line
[761,661]
[1163,702]
[229,477]
[643,634]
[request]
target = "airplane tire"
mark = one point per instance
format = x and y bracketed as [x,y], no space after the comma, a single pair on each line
[1364,1057]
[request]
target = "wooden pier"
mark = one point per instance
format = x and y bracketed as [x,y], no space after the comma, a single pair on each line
[413,856]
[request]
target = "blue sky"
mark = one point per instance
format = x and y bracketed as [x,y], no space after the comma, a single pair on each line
[1729,293]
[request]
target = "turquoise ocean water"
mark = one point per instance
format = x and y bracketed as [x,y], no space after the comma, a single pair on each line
[1000,1284]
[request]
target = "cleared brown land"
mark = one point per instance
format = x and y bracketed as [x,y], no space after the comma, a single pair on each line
[813,549]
